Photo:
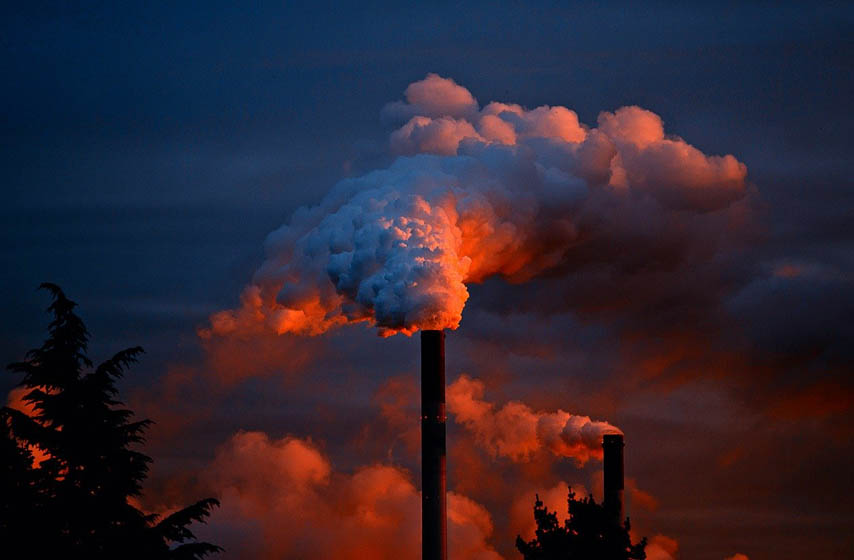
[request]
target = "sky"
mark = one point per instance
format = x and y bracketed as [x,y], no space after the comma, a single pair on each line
[705,310]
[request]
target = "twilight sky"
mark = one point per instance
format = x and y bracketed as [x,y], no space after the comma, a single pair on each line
[149,151]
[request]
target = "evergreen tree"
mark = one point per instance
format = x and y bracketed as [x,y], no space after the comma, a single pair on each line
[19,485]
[75,502]
[588,534]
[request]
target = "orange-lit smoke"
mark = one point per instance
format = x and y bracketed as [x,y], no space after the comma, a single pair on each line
[661,547]
[517,432]
[281,498]
[477,192]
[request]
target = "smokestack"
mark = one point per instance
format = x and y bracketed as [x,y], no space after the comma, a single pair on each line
[612,444]
[434,533]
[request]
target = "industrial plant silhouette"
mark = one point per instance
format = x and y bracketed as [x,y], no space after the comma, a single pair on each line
[592,531]
[72,500]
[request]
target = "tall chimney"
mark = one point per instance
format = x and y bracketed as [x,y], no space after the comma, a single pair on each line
[434,533]
[612,444]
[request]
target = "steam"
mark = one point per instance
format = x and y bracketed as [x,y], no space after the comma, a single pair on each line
[476,192]
[518,432]
[283,498]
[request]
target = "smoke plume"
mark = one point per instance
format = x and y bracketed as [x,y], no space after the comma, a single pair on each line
[517,432]
[475,192]
[282,498]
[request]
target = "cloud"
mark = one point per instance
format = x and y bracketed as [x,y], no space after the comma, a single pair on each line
[435,136]
[433,96]
[503,191]
[661,547]
[555,123]
[814,318]
[638,498]
[282,498]
[517,432]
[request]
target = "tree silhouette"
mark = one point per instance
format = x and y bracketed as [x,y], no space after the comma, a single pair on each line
[588,534]
[19,485]
[74,503]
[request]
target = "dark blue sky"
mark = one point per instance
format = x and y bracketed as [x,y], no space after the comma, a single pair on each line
[147,150]
[154,147]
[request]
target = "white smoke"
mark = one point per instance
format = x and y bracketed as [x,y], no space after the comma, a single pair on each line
[500,190]
[517,431]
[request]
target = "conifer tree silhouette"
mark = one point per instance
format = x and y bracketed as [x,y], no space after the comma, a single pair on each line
[19,484]
[75,502]
[589,533]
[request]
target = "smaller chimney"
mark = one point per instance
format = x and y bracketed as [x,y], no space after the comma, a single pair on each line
[612,444]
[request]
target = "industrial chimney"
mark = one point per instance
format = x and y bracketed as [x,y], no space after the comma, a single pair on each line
[434,534]
[612,444]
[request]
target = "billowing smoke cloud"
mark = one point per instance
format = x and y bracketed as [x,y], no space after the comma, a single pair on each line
[477,192]
[283,499]
[433,97]
[517,432]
